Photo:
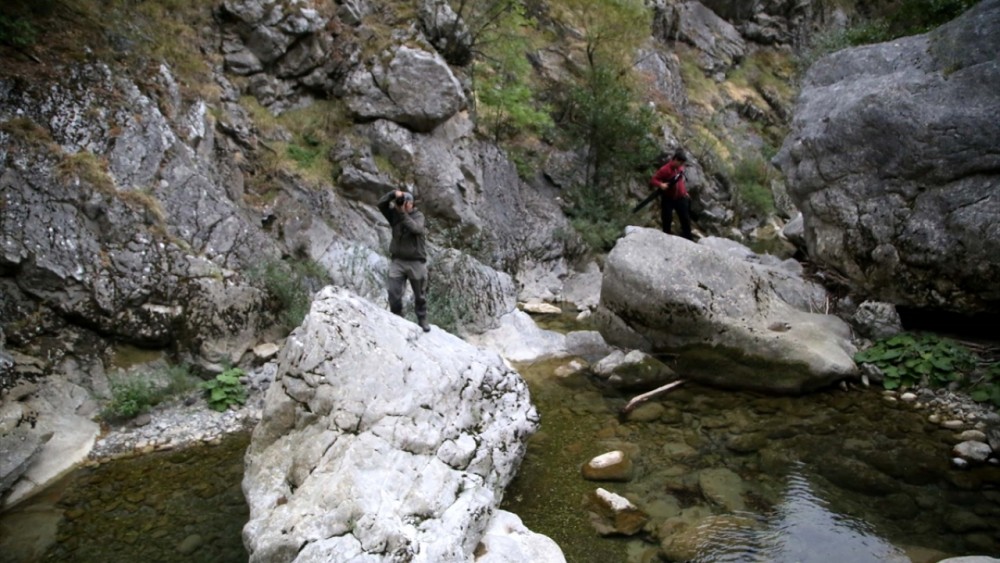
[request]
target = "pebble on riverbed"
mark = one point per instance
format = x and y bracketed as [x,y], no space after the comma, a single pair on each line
[973,422]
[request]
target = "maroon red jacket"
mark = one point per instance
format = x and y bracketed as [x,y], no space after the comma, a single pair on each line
[671,174]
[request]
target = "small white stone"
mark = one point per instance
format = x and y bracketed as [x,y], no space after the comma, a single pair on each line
[909,397]
[608,459]
[615,501]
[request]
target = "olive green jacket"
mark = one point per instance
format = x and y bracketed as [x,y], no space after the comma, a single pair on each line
[408,233]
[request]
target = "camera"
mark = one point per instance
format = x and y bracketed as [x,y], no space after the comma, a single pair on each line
[400,201]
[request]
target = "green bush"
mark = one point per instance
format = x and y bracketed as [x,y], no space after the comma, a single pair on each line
[603,117]
[507,104]
[985,386]
[132,395]
[598,216]
[225,390]
[910,17]
[919,16]
[752,194]
[304,155]
[910,359]
[16,32]
[445,309]
[290,285]
[179,379]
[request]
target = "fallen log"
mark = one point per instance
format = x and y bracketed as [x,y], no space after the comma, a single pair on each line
[639,399]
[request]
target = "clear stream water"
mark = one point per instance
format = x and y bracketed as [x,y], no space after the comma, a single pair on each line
[830,477]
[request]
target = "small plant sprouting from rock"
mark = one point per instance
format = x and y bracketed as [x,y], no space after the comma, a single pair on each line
[752,178]
[290,285]
[225,390]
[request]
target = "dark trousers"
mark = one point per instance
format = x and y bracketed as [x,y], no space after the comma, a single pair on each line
[416,272]
[683,208]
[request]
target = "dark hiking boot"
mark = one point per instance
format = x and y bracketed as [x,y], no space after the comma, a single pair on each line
[423,324]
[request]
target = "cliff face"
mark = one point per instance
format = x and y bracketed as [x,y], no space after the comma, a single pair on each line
[142,188]
[893,160]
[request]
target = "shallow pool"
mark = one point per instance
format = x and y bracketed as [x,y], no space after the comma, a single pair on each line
[833,476]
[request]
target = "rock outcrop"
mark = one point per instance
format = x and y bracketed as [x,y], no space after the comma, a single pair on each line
[380,442]
[734,323]
[893,160]
[127,230]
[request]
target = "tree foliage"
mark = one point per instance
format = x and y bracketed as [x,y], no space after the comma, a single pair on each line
[611,29]
[612,127]
[507,104]
[604,116]
[604,113]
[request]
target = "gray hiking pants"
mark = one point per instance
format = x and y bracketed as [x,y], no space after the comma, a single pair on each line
[416,272]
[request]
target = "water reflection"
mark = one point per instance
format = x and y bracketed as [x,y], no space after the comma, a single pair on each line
[744,477]
[801,529]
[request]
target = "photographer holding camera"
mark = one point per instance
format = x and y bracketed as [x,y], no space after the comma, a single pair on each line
[407,252]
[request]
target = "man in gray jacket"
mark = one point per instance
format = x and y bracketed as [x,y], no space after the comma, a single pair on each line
[408,253]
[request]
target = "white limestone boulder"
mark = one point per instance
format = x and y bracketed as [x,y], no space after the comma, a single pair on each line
[380,442]
[724,316]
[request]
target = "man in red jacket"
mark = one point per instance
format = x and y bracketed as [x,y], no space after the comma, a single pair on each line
[673,193]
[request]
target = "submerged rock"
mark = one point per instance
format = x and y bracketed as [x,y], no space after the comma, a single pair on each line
[611,466]
[613,514]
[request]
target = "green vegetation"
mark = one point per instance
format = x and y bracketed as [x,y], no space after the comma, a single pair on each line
[136,34]
[908,17]
[290,284]
[507,103]
[311,131]
[225,390]
[910,359]
[87,167]
[469,240]
[446,307]
[16,31]
[615,132]
[603,116]
[31,133]
[986,385]
[919,16]
[752,187]
[596,215]
[132,395]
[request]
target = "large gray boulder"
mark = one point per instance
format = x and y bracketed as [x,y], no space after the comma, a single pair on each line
[380,442]
[724,315]
[892,159]
[45,431]
[414,88]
